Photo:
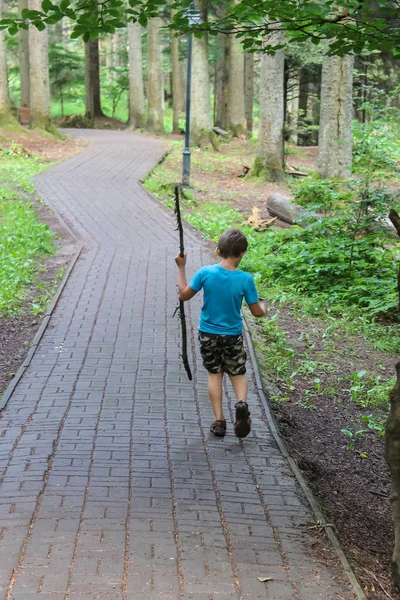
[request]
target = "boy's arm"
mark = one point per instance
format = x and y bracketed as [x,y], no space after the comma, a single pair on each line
[258,309]
[184,290]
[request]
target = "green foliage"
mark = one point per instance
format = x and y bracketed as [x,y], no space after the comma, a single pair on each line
[369,391]
[214,219]
[340,259]
[353,436]
[66,71]
[350,29]
[22,237]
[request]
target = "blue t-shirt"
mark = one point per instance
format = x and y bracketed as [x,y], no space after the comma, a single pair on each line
[224,291]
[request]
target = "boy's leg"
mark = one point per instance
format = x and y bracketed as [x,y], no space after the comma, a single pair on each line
[215,393]
[240,386]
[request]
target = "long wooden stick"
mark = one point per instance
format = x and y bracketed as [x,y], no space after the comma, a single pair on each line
[181,304]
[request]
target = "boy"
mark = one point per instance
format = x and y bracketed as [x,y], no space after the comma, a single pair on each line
[220,328]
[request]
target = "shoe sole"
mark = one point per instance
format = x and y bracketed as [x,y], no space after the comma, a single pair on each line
[242,425]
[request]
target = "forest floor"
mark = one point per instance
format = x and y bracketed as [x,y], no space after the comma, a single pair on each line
[352,486]
[17,331]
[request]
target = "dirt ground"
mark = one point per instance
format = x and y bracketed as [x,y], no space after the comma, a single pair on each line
[353,492]
[17,333]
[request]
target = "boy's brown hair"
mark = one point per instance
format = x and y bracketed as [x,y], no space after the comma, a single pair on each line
[232,243]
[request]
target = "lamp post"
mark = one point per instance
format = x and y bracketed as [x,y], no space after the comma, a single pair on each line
[193,18]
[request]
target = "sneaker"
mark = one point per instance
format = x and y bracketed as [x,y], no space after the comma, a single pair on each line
[243,421]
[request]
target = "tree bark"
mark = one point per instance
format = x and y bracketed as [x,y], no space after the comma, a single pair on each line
[200,97]
[4,100]
[392,455]
[137,113]
[335,147]
[236,106]
[249,90]
[155,117]
[92,80]
[293,107]
[221,81]
[23,52]
[395,219]
[270,137]
[177,85]
[39,73]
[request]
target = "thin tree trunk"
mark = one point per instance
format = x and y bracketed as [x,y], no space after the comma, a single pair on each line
[270,137]
[92,80]
[137,113]
[335,148]
[392,455]
[155,117]
[293,106]
[4,101]
[200,97]
[23,52]
[39,73]
[177,105]
[221,73]
[249,90]
[107,49]
[236,105]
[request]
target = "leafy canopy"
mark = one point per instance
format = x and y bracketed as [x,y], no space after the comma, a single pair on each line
[353,27]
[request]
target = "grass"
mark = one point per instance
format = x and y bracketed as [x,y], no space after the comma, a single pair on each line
[23,239]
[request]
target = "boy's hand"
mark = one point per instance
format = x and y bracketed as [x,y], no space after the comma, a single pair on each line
[181,260]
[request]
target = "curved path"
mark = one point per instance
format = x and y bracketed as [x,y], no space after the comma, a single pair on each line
[111,486]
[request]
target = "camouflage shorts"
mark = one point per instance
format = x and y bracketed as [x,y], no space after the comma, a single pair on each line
[223,353]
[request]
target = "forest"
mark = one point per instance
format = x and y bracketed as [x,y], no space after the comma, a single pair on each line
[295,138]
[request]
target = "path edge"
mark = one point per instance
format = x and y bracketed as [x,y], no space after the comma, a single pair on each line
[297,473]
[40,332]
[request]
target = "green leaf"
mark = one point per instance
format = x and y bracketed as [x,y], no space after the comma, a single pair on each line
[47,5]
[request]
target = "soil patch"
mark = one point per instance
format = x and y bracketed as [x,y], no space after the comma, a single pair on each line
[353,487]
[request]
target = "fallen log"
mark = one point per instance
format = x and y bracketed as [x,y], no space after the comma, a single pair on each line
[392,456]
[282,207]
[221,132]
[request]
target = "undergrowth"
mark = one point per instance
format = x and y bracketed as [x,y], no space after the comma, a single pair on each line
[23,239]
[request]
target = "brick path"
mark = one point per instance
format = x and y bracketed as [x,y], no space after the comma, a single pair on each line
[111,486]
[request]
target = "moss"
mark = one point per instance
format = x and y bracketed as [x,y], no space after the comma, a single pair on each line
[205,139]
[269,173]
[9,122]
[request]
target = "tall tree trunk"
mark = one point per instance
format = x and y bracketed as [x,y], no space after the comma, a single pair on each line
[270,137]
[334,151]
[392,455]
[177,104]
[92,80]
[106,47]
[221,73]
[4,101]
[236,107]
[155,117]
[39,73]
[137,113]
[23,52]
[249,90]
[200,97]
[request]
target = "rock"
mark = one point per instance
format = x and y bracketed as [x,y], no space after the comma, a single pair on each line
[282,207]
